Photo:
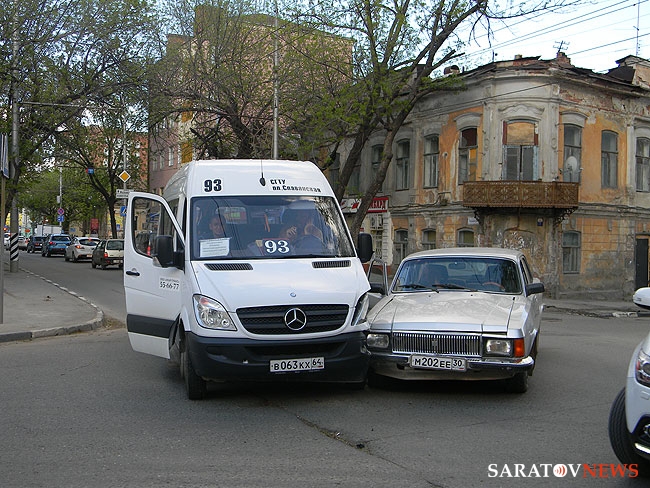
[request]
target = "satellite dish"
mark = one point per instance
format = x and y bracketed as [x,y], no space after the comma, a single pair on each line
[571,164]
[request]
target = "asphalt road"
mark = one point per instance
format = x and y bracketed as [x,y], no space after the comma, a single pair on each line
[85,410]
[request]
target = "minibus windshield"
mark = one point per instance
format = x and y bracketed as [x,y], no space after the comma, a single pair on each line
[267,227]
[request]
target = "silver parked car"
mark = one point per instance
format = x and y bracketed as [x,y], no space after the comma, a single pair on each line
[460,314]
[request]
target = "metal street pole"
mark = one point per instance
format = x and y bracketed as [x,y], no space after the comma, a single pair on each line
[13,226]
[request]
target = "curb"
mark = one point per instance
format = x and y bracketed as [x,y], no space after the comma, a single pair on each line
[93,324]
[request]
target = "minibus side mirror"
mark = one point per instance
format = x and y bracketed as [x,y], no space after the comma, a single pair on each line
[364,247]
[164,254]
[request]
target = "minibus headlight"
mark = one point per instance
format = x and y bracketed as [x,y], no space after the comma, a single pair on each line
[360,310]
[211,314]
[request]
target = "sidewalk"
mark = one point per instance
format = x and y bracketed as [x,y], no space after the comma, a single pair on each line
[34,307]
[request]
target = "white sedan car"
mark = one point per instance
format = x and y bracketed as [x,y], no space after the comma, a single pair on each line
[81,248]
[459,313]
[629,417]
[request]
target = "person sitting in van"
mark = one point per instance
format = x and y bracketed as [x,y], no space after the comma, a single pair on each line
[213,241]
[299,225]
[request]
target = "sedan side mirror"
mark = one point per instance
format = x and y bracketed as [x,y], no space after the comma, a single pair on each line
[533,288]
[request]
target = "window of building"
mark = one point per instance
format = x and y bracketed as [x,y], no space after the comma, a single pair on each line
[353,187]
[643,164]
[520,151]
[609,159]
[572,153]
[431,155]
[467,155]
[570,252]
[401,245]
[402,165]
[376,154]
[170,156]
[428,239]
[465,238]
[333,172]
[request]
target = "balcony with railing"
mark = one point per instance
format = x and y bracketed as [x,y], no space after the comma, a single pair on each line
[559,195]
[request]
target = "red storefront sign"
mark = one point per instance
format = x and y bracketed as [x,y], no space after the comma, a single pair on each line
[378,205]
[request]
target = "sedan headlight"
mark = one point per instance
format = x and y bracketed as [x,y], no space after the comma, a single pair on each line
[505,347]
[498,347]
[642,368]
[211,314]
[377,341]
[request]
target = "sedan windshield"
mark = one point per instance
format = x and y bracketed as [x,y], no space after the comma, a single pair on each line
[458,273]
[264,227]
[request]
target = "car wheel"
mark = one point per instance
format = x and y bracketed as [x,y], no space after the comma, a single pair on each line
[74,258]
[620,439]
[195,385]
[92,263]
[65,256]
[103,266]
[518,383]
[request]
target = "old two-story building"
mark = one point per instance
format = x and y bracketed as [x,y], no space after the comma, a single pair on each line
[537,155]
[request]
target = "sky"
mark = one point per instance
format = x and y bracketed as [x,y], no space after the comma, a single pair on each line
[594,35]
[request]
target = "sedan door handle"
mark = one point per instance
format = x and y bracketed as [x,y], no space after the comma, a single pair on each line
[133,273]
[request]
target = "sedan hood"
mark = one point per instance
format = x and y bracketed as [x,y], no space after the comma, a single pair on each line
[447,311]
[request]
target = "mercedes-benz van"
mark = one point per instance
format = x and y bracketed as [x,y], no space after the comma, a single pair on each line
[246,270]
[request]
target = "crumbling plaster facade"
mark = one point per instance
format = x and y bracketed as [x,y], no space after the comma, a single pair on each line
[526,104]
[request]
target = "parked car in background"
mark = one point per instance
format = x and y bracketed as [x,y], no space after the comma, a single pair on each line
[458,314]
[22,242]
[629,417]
[55,244]
[109,252]
[81,248]
[6,239]
[35,243]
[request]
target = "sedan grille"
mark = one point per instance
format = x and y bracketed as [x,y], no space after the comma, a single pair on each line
[270,320]
[424,343]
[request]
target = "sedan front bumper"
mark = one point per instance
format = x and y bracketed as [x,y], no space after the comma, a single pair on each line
[397,366]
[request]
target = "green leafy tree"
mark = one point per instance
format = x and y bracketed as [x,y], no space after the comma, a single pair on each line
[61,57]
[398,46]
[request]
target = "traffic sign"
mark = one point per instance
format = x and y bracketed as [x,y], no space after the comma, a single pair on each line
[124,176]
[60,211]
[123,210]
[59,218]
[122,193]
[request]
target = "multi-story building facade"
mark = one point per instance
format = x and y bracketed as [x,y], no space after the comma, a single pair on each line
[537,155]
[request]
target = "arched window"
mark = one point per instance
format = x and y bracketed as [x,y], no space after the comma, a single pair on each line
[401,245]
[402,165]
[467,155]
[431,155]
[643,164]
[520,151]
[465,238]
[572,153]
[428,239]
[609,159]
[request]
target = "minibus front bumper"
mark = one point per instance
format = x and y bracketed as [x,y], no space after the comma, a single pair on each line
[339,359]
